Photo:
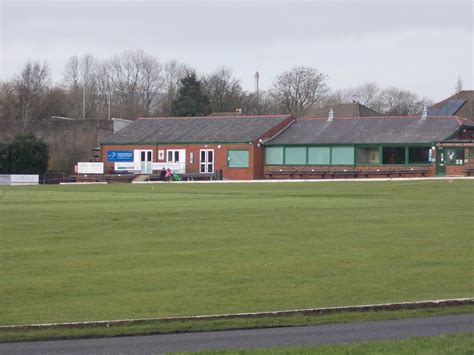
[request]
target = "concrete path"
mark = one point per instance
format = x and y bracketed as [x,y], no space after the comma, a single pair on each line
[249,339]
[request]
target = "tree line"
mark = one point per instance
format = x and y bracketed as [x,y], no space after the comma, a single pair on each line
[135,83]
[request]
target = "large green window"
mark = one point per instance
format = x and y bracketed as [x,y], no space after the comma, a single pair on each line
[342,155]
[295,155]
[419,155]
[319,155]
[274,155]
[368,155]
[393,155]
[238,158]
[455,156]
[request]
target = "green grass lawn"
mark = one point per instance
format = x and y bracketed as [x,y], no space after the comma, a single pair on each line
[444,344]
[72,253]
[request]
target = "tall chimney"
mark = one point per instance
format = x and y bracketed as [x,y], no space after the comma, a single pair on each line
[257,76]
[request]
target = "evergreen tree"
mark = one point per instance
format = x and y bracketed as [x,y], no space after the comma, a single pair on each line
[191,99]
[26,155]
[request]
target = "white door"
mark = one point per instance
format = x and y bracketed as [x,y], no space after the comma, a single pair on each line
[206,161]
[146,159]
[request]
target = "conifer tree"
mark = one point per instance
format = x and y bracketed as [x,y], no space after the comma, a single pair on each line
[191,99]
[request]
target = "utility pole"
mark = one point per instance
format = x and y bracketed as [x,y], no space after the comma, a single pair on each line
[84,100]
[110,99]
[257,76]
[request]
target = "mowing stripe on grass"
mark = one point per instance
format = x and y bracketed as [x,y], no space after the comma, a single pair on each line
[305,312]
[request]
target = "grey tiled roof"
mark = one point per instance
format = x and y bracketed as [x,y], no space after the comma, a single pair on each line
[195,129]
[369,130]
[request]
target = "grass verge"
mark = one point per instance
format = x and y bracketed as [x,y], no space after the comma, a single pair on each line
[160,327]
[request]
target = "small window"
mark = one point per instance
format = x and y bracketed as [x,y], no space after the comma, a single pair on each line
[368,155]
[393,155]
[418,155]
[455,156]
[274,155]
[238,158]
[471,152]
[342,155]
[295,155]
[319,155]
[170,156]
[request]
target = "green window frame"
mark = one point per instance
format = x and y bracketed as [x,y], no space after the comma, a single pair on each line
[368,156]
[319,155]
[274,155]
[342,155]
[238,158]
[295,156]
[471,152]
[454,156]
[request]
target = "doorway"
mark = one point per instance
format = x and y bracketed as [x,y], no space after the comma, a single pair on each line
[206,161]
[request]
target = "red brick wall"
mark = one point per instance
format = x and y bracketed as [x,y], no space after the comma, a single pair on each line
[431,172]
[254,171]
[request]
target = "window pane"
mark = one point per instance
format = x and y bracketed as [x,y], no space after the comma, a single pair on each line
[368,155]
[455,156]
[393,155]
[342,155]
[170,155]
[210,156]
[142,156]
[274,155]
[418,155]
[203,155]
[319,155]
[203,168]
[149,156]
[295,155]
[210,168]
[238,158]
[471,152]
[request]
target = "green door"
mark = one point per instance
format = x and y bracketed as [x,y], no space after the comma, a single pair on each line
[440,162]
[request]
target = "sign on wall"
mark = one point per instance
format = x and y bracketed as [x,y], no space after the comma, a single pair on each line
[120,155]
[124,167]
[90,168]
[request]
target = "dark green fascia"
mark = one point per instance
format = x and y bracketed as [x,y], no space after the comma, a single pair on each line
[176,143]
[356,145]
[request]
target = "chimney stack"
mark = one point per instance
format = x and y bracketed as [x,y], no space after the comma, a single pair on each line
[424,111]
[331,115]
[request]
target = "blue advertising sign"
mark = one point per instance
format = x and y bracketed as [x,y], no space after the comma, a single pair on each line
[120,155]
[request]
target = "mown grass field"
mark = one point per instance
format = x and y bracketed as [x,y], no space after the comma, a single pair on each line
[72,253]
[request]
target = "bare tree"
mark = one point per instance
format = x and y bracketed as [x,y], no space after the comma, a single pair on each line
[31,87]
[300,88]
[173,73]
[136,79]
[224,91]
[459,86]
[397,102]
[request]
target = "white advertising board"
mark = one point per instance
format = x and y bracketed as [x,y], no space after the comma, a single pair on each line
[19,179]
[90,168]
[125,166]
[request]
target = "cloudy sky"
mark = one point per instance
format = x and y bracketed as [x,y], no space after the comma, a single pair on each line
[423,46]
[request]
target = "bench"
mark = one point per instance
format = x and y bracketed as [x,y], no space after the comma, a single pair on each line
[469,170]
[119,177]
[295,174]
[198,176]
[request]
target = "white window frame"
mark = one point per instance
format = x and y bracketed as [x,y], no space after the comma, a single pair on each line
[173,152]
[206,162]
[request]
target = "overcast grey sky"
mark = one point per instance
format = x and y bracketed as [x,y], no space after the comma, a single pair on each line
[423,46]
